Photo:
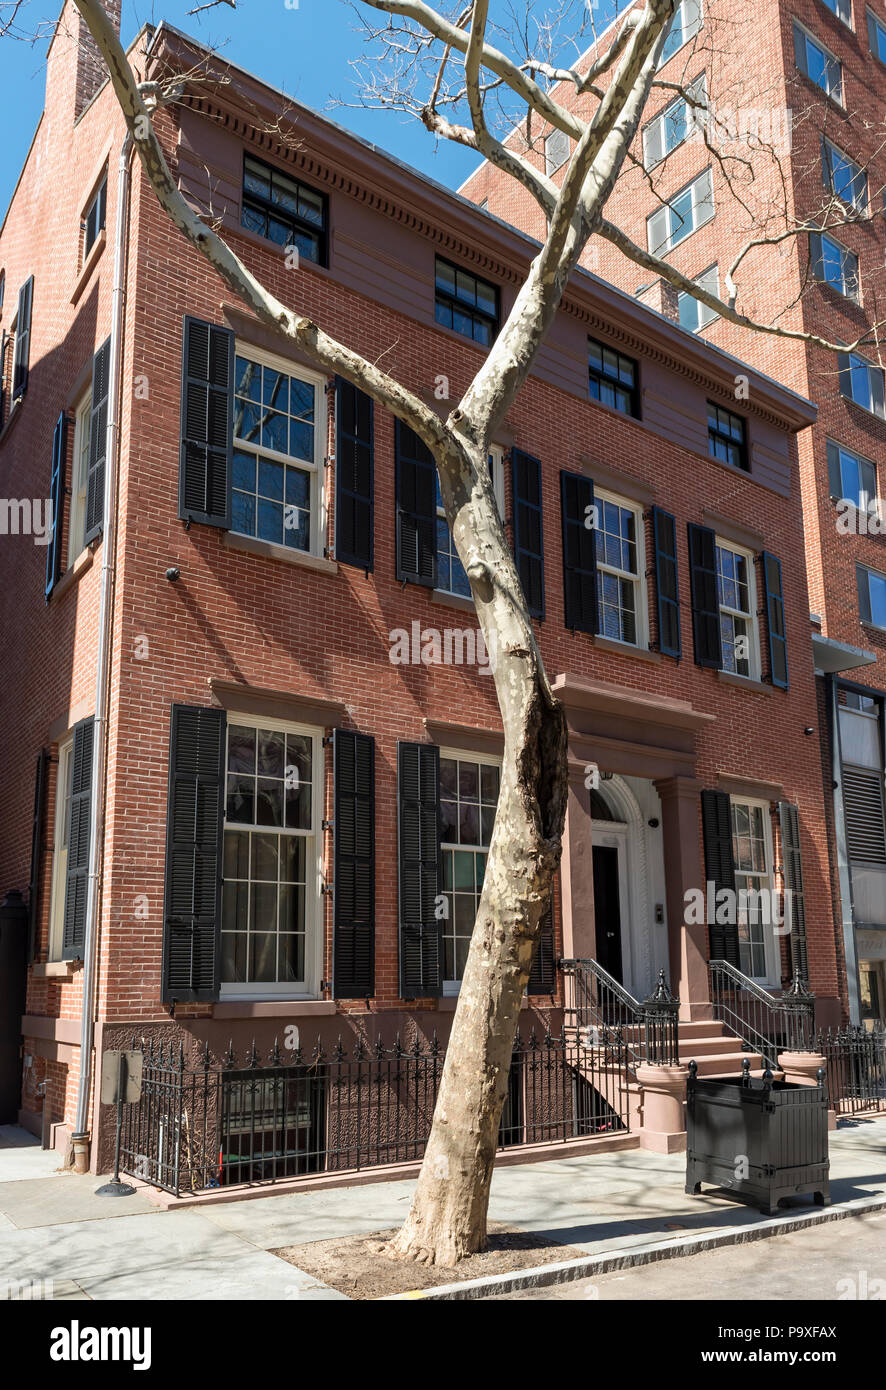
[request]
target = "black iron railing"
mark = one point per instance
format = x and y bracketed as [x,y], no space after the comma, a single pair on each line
[766,1023]
[203,1123]
[598,1008]
[856,1068]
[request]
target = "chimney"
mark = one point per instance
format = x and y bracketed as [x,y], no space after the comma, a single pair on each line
[91,70]
[661,297]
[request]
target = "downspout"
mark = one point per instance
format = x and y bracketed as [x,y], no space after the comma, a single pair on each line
[102,671]
[844,873]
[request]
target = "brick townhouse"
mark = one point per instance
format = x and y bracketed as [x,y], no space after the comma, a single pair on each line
[283,836]
[808,79]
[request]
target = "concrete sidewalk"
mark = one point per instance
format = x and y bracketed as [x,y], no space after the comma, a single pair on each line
[53,1227]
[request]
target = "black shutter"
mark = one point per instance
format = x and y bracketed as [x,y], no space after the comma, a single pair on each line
[789,819]
[528,540]
[22,339]
[667,582]
[421,931]
[207,424]
[716,820]
[54,563]
[816,261]
[542,976]
[353,915]
[835,476]
[98,433]
[416,509]
[705,596]
[579,552]
[354,467]
[36,850]
[774,597]
[77,877]
[194,821]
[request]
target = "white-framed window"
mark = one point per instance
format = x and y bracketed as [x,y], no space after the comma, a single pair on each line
[877,36]
[63,785]
[851,476]
[621,566]
[834,265]
[736,588]
[845,179]
[82,432]
[871,596]
[688,210]
[694,315]
[279,446]
[451,577]
[841,8]
[557,150]
[94,216]
[680,119]
[862,382]
[469,784]
[684,26]
[818,63]
[753,858]
[272,919]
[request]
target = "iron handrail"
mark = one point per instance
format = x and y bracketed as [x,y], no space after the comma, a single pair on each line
[766,1023]
[597,1002]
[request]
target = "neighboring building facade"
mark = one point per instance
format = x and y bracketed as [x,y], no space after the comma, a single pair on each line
[292,825]
[796,83]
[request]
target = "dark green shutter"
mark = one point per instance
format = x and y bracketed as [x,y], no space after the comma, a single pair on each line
[421,931]
[354,467]
[774,599]
[98,433]
[37,850]
[716,820]
[194,826]
[54,562]
[789,819]
[77,877]
[207,422]
[667,582]
[579,552]
[416,509]
[22,354]
[542,976]
[528,538]
[705,596]
[353,916]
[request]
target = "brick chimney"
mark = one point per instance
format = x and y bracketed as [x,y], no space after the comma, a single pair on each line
[91,70]
[661,297]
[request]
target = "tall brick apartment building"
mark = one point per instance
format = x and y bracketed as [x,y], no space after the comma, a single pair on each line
[246,566]
[806,78]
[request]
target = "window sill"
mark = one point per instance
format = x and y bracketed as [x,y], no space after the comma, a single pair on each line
[269,550]
[74,573]
[745,682]
[273,1008]
[56,970]
[446,1002]
[872,627]
[609,644]
[95,252]
[871,414]
[465,605]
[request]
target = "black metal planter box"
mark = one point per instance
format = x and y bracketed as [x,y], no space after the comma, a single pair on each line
[762,1140]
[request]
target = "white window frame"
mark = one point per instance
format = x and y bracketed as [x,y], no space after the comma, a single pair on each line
[552,163]
[315,466]
[309,988]
[749,617]
[641,607]
[80,477]
[655,132]
[766,879]
[464,755]
[854,363]
[701,189]
[496,453]
[847,285]
[65,769]
[804,35]
[861,205]
[679,14]
[703,315]
[842,9]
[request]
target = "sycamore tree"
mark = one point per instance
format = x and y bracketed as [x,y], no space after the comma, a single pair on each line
[469,76]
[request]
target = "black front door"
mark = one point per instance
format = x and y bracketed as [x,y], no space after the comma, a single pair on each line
[607,912]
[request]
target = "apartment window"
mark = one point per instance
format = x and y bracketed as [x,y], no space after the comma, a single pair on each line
[845,179]
[82,434]
[465,303]
[468,798]
[738,628]
[862,382]
[613,378]
[679,119]
[871,596]
[688,210]
[851,476]
[270,894]
[694,315]
[841,8]
[451,577]
[752,854]
[877,36]
[683,27]
[278,454]
[834,265]
[818,63]
[727,438]
[285,210]
[64,785]
[619,552]
[94,221]
[557,146]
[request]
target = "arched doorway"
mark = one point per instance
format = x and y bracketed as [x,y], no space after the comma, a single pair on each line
[621,907]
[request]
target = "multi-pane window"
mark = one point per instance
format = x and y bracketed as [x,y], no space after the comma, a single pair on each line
[556,151]
[612,378]
[679,119]
[94,221]
[862,382]
[465,303]
[82,433]
[688,210]
[738,630]
[269,898]
[727,439]
[694,315]
[752,854]
[871,596]
[64,786]
[877,36]
[451,577]
[683,27]
[620,608]
[277,445]
[845,179]
[834,265]
[818,63]
[283,209]
[841,8]
[851,476]
[468,798]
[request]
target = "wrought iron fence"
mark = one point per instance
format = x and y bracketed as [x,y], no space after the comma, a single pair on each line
[204,1124]
[856,1068]
[597,1006]
[767,1024]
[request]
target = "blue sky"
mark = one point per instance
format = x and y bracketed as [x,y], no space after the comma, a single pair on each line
[303,51]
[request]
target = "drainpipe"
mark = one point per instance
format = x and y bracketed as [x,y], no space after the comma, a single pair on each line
[844,872]
[102,672]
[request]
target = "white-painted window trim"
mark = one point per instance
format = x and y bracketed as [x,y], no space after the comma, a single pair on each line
[65,768]
[708,280]
[655,134]
[749,615]
[452,987]
[496,455]
[637,580]
[80,474]
[678,229]
[761,879]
